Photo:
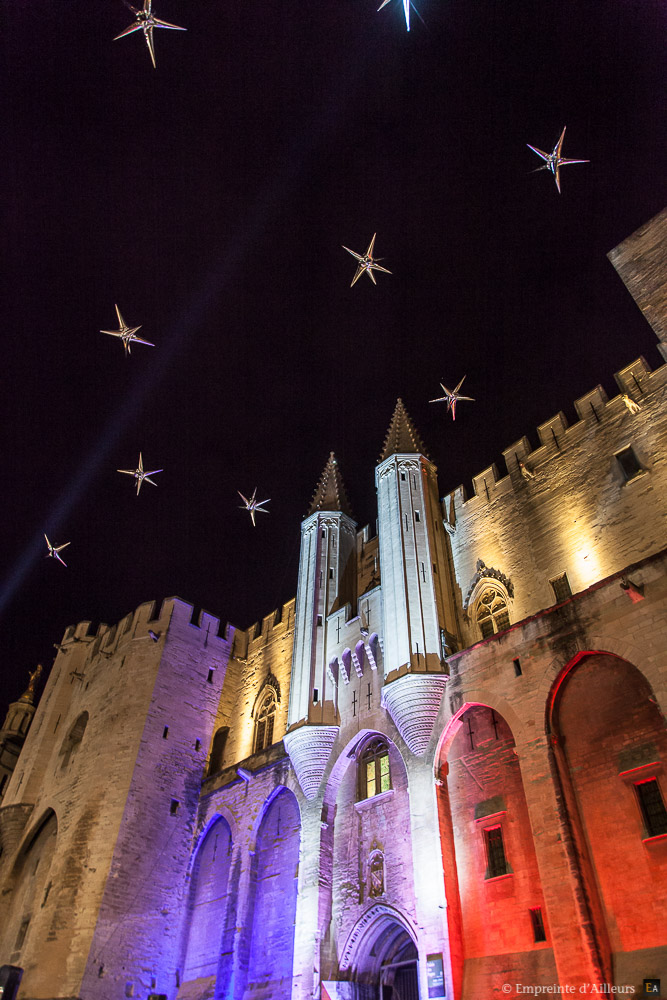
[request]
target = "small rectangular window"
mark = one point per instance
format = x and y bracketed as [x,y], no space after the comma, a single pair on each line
[517,667]
[173,808]
[197,745]
[561,588]
[210,676]
[319,621]
[652,807]
[417,517]
[402,477]
[495,853]
[629,463]
[538,924]
[331,573]
[165,732]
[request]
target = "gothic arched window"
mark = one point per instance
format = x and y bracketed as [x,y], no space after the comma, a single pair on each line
[265,714]
[374,774]
[491,611]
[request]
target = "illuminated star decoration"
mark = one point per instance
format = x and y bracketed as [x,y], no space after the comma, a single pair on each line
[140,475]
[54,551]
[366,263]
[406,10]
[451,397]
[554,161]
[145,22]
[253,505]
[126,334]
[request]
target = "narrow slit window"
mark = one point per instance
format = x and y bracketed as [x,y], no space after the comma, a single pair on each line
[539,933]
[210,677]
[517,667]
[417,517]
[165,732]
[173,808]
[652,807]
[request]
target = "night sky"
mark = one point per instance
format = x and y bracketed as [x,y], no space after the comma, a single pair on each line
[210,197]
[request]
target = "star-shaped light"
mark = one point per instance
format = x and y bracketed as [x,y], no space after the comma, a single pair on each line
[406,10]
[452,397]
[146,21]
[140,475]
[554,161]
[253,505]
[126,334]
[54,551]
[367,263]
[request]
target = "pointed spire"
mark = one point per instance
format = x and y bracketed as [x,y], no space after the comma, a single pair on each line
[402,437]
[330,493]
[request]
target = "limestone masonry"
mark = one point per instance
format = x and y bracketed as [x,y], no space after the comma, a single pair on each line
[439,770]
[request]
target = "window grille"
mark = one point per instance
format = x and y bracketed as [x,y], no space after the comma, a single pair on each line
[495,853]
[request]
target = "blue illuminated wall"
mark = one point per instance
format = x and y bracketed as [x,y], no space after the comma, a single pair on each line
[210,917]
[273,900]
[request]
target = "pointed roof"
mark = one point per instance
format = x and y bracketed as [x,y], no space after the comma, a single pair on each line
[402,437]
[330,493]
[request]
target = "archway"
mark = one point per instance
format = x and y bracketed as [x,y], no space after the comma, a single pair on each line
[496,905]
[381,956]
[609,744]
[272,906]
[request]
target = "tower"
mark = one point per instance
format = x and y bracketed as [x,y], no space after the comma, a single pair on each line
[419,616]
[326,582]
[15,730]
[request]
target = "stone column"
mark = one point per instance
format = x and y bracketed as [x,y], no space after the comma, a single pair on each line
[307,933]
[430,899]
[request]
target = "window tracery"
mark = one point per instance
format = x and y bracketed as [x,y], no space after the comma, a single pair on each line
[265,714]
[491,612]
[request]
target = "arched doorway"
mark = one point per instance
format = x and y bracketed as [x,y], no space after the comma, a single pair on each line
[381,956]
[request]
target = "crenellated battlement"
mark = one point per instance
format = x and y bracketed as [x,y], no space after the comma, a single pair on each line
[638,385]
[144,624]
[276,624]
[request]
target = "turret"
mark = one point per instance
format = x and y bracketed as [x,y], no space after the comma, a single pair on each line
[419,616]
[15,730]
[327,581]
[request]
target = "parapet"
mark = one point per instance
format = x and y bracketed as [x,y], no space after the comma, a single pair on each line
[174,614]
[636,382]
[275,625]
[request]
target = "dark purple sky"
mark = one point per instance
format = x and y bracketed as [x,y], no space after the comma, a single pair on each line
[209,198]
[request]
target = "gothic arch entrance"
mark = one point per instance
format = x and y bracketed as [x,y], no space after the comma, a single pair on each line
[381,953]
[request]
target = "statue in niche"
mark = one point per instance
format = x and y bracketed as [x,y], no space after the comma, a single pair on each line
[376,871]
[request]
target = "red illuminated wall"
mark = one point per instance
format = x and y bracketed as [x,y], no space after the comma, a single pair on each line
[484,789]
[612,735]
